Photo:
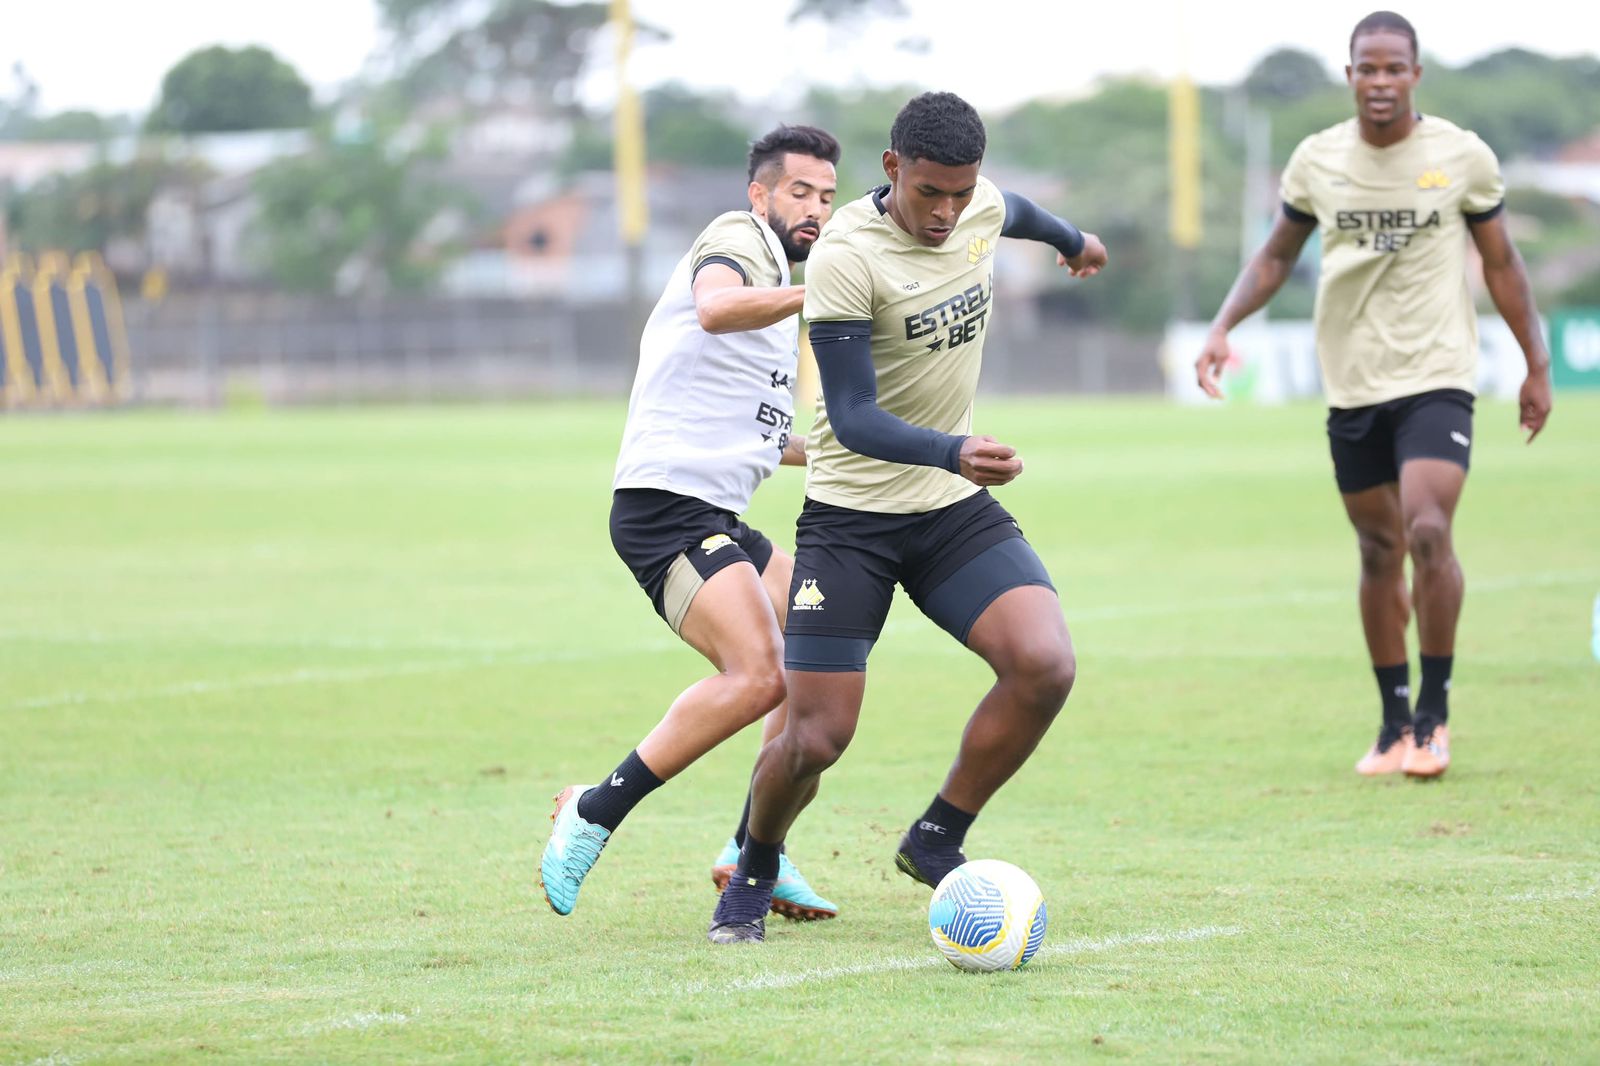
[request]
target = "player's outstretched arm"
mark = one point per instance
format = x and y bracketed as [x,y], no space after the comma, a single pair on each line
[1081,252]
[1507,279]
[1263,276]
[850,390]
[726,304]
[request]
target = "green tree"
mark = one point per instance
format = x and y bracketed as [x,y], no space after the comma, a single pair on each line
[682,126]
[351,214]
[1585,292]
[1286,75]
[219,89]
[860,121]
[1110,151]
[516,50]
[90,209]
[20,106]
[69,126]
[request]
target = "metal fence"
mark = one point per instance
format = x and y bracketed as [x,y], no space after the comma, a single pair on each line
[212,348]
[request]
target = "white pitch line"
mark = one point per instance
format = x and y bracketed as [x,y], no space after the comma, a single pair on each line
[1077,946]
[1550,895]
[335,675]
[362,1020]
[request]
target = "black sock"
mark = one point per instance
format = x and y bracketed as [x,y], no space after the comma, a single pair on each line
[744,822]
[743,831]
[943,826]
[1433,702]
[757,859]
[609,802]
[1394,688]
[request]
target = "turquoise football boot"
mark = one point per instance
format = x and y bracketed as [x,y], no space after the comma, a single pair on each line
[792,896]
[570,853]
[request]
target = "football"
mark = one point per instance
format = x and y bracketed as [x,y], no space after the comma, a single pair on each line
[987,915]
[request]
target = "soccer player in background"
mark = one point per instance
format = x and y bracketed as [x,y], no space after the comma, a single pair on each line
[708,420]
[899,300]
[1394,194]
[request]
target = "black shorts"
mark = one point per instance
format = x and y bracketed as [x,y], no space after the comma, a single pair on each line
[673,544]
[952,562]
[1370,444]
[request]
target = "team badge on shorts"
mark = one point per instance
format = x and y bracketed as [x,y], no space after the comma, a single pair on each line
[711,544]
[808,597]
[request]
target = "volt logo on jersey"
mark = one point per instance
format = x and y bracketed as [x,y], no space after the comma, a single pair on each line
[1433,179]
[978,250]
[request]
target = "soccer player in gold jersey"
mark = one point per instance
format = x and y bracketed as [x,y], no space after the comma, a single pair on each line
[1395,194]
[900,296]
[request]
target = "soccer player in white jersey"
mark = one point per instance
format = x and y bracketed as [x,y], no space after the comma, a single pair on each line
[1394,194]
[899,300]
[710,418]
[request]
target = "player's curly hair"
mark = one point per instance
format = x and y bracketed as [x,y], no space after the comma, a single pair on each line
[939,127]
[1385,22]
[769,151]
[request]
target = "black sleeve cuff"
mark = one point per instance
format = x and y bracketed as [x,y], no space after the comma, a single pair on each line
[1484,216]
[1294,214]
[850,330]
[725,261]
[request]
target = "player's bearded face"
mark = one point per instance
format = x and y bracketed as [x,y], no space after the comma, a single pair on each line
[800,203]
[796,239]
[928,198]
[1382,72]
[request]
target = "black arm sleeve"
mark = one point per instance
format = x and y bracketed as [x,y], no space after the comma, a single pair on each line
[1030,222]
[850,387]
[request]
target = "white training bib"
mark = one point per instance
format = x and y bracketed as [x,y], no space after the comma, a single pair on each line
[710,413]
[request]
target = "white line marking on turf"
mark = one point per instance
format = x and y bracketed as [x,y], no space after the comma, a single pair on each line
[313,675]
[363,1020]
[1077,946]
[1547,895]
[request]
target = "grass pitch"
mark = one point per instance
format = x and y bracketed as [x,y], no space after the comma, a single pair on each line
[284,696]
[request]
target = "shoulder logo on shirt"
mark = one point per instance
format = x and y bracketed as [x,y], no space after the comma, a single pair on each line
[716,543]
[1433,179]
[1460,438]
[808,597]
[978,250]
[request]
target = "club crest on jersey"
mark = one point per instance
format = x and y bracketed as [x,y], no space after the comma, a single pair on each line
[978,250]
[715,543]
[808,597]
[1433,179]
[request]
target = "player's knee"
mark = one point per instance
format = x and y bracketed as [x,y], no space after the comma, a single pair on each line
[1381,554]
[1055,680]
[1429,537]
[762,689]
[1047,672]
[814,746]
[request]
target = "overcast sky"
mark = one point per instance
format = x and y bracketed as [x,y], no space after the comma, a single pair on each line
[110,55]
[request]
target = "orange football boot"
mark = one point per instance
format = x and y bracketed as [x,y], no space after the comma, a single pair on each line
[1388,759]
[1430,758]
